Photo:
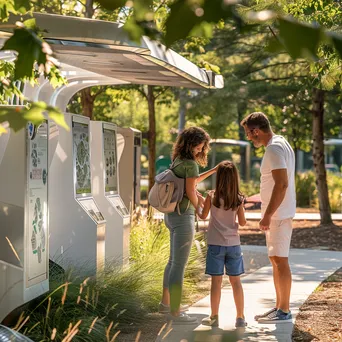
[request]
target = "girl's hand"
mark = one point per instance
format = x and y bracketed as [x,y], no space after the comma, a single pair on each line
[210,193]
[200,199]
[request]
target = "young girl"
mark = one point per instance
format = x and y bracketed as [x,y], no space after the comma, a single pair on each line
[224,250]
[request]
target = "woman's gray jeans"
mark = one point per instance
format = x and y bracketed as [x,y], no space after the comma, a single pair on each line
[182,230]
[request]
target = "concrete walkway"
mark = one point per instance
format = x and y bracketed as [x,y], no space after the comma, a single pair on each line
[298,216]
[309,268]
[257,216]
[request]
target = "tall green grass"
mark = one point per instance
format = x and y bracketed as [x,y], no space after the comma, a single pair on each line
[121,297]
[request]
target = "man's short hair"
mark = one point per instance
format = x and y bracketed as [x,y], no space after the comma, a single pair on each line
[257,120]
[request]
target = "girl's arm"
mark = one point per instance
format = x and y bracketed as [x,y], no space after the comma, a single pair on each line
[206,208]
[241,215]
[206,174]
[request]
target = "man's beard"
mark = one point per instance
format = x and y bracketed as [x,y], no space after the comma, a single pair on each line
[257,143]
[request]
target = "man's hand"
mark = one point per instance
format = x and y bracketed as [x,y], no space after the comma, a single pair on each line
[264,224]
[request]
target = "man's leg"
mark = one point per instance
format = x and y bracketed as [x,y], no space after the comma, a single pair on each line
[276,281]
[282,281]
[278,239]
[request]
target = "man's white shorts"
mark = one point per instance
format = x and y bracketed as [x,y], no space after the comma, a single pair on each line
[278,237]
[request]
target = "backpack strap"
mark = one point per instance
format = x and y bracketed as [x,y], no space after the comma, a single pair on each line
[172,166]
[187,207]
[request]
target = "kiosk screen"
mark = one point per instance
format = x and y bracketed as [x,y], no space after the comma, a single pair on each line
[81,157]
[111,177]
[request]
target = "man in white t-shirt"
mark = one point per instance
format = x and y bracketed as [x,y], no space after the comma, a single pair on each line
[278,207]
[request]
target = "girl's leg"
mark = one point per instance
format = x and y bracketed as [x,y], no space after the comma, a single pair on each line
[215,294]
[238,295]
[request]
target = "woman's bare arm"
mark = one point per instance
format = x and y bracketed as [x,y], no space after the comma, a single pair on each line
[190,189]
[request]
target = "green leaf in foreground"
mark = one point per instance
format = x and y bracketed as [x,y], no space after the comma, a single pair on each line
[18,116]
[31,48]
[299,39]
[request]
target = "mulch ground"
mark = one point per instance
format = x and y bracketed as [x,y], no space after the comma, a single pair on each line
[320,317]
[306,234]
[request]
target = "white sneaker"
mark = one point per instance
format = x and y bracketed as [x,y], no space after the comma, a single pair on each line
[182,319]
[165,309]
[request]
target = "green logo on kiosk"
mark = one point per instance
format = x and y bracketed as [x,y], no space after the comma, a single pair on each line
[38,233]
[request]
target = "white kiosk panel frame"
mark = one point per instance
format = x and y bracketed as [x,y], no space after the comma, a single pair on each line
[106,190]
[23,204]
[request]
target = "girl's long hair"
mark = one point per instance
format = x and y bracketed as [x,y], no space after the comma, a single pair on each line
[187,140]
[227,187]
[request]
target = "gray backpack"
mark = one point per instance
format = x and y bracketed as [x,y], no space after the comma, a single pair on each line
[167,191]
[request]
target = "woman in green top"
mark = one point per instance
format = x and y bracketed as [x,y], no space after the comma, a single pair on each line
[189,151]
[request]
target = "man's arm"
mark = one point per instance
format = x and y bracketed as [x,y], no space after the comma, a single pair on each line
[277,197]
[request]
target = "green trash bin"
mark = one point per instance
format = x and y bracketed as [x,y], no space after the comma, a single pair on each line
[162,164]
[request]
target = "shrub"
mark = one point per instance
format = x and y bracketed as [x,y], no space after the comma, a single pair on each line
[144,192]
[306,190]
[335,191]
[249,188]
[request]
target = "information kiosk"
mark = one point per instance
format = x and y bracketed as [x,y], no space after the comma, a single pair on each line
[129,152]
[77,226]
[24,262]
[105,189]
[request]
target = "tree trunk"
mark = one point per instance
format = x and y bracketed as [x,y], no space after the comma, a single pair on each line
[241,107]
[151,137]
[89,9]
[87,101]
[182,105]
[318,155]
[295,150]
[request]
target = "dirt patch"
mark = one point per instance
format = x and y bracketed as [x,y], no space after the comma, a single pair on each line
[320,317]
[306,234]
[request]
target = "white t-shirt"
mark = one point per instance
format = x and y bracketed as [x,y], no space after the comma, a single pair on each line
[278,155]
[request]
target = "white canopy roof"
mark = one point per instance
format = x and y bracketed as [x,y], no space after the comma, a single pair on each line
[104,48]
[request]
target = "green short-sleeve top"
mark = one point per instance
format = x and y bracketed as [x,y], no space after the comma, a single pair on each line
[187,169]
